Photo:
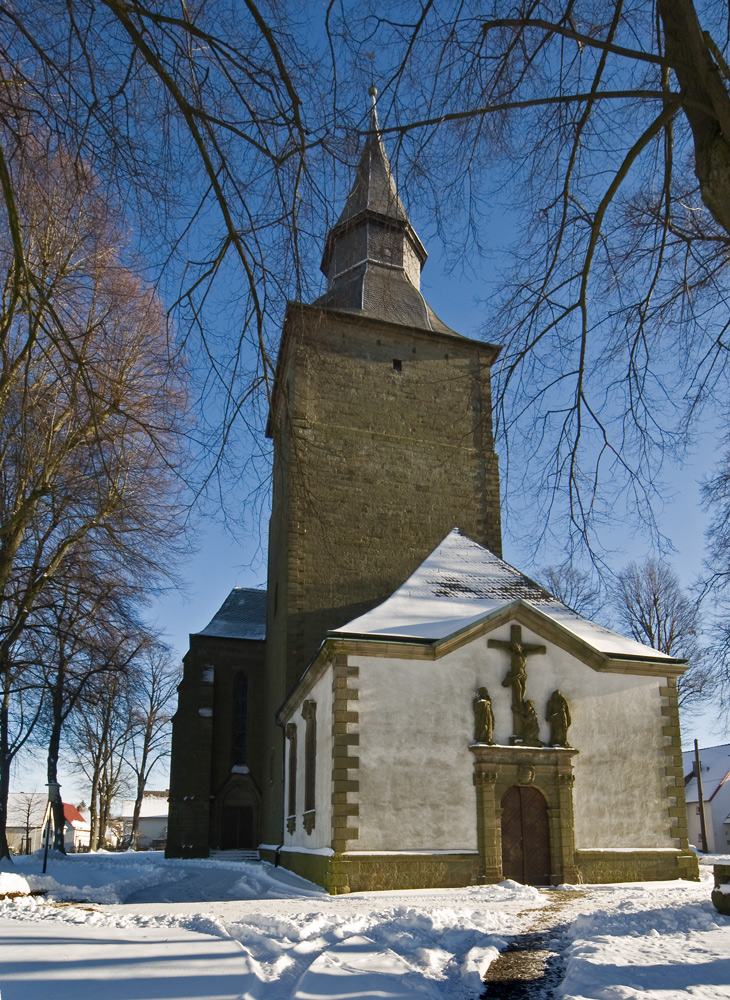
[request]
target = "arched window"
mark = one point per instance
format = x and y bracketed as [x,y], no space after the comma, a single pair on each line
[291,735]
[240,719]
[309,714]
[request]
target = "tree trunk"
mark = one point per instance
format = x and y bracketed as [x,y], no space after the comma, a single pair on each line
[54,744]
[5,761]
[706,103]
[93,811]
[103,809]
[141,785]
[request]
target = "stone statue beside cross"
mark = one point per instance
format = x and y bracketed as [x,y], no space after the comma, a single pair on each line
[525,722]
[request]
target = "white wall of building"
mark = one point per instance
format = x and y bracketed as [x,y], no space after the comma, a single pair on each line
[416,724]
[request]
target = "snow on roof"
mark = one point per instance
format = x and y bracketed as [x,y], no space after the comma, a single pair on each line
[715,762]
[153,804]
[74,817]
[461,583]
[241,616]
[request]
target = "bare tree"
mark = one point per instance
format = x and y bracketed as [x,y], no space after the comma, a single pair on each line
[197,117]
[650,604]
[153,685]
[604,131]
[607,123]
[82,627]
[90,412]
[575,588]
[98,741]
[29,808]
[646,601]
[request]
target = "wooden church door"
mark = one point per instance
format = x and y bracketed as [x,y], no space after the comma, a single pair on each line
[525,836]
[238,832]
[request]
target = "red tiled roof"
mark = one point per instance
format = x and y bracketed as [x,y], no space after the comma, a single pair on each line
[71,814]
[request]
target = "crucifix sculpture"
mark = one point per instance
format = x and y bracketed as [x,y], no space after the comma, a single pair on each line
[516,678]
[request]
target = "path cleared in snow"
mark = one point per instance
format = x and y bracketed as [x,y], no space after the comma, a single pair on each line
[137,927]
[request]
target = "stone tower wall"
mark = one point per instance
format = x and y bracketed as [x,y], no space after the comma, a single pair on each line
[383,444]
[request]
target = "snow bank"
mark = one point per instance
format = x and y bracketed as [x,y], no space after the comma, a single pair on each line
[281,936]
[12,884]
[291,937]
[655,946]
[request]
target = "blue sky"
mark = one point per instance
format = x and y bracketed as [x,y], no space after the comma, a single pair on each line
[225,560]
[234,557]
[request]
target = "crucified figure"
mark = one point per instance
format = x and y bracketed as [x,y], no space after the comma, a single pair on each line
[516,677]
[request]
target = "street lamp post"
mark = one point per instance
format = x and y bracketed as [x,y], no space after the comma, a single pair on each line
[53,789]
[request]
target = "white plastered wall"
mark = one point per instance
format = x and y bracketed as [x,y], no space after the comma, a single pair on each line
[321,835]
[416,723]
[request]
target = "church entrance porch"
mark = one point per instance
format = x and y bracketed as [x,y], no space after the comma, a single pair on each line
[525,834]
[524,801]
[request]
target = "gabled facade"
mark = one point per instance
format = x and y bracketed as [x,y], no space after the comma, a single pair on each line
[412,788]
[27,812]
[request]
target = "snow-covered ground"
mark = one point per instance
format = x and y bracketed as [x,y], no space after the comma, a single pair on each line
[137,927]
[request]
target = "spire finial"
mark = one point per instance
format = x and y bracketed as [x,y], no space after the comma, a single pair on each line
[373,92]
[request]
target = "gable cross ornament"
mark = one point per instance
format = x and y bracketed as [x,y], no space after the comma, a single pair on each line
[524,717]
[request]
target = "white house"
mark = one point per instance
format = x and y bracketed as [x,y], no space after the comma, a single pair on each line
[76,831]
[152,830]
[472,728]
[715,763]
[26,819]
[26,811]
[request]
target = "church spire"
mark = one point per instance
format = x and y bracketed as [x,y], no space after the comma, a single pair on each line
[373,257]
[374,189]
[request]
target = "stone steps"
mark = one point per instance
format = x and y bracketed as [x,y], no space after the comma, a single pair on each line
[236,855]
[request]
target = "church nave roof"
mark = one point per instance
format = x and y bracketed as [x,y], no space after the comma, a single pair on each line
[241,616]
[462,583]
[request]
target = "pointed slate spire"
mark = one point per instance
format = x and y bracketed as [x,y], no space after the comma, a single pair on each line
[373,257]
[374,188]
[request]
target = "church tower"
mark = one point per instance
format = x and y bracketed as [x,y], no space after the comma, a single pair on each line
[381,420]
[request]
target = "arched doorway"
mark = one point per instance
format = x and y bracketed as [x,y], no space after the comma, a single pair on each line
[525,836]
[238,818]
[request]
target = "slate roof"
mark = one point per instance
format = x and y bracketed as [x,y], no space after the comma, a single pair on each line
[374,188]
[715,763]
[373,285]
[382,293]
[461,583]
[241,616]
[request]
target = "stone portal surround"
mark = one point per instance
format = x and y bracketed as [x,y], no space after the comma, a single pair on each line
[550,769]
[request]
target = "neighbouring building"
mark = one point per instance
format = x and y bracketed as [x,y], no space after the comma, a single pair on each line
[400,707]
[26,824]
[715,764]
[76,830]
[26,816]
[152,827]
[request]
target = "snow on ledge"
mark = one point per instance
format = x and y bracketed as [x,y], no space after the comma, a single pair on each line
[627,850]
